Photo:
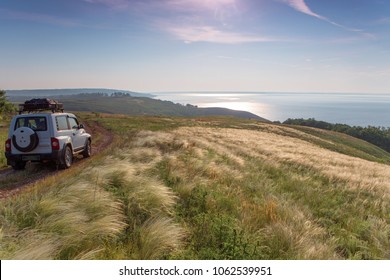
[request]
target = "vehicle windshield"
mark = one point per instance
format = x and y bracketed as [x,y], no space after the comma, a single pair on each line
[35,123]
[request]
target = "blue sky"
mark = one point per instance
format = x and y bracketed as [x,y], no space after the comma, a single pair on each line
[196,45]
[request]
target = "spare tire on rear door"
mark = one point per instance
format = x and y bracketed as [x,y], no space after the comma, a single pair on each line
[25,139]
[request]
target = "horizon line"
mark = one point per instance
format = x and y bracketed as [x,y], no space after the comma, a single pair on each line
[199,91]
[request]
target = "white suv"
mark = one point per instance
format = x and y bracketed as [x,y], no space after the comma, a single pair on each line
[46,136]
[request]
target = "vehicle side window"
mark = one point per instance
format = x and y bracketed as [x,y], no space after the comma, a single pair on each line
[73,123]
[35,123]
[62,123]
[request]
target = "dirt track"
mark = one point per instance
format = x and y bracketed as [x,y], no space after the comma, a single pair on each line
[101,139]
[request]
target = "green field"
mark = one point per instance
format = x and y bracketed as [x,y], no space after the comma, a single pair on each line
[136,106]
[3,138]
[208,188]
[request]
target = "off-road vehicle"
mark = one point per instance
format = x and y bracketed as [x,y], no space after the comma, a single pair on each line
[43,132]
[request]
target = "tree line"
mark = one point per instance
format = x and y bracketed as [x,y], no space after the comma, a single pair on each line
[377,135]
[103,94]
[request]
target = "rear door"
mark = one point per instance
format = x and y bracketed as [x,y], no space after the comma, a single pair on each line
[40,125]
[62,126]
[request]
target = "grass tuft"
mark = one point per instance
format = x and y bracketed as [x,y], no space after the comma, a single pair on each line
[159,236]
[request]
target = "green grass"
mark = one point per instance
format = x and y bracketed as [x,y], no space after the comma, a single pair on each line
[3,138]
[142,106]
[207,188]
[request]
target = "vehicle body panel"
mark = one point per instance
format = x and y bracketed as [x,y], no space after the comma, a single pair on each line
[64,127]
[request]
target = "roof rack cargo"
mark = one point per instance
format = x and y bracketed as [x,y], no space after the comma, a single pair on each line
[41,104]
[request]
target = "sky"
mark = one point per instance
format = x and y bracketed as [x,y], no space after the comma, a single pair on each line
[196,45]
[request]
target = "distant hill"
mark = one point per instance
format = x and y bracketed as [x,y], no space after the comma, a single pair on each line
[69,91]
[127,103]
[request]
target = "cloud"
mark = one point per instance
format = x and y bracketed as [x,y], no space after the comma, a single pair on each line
[118,4]
[382,21]
[167,5]
[302,7]
[193,21]
[199,4]
[211,34]
[189,20]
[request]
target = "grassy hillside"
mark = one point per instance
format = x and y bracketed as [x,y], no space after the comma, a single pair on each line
[68,91]
[208,188]
[132,105]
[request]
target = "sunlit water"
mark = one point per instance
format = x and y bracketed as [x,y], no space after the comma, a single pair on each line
[352,109]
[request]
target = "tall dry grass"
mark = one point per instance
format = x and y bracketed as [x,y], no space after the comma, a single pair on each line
[269,192]
[321,199]
[234,144]
[149,205]
[112,210]
[64,223]
[159,235]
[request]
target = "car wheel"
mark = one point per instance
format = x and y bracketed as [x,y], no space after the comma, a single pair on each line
[67,158]
[25,139]
[87,149]
[19,165]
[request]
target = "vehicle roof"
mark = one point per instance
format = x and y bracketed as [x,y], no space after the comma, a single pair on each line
[45,114]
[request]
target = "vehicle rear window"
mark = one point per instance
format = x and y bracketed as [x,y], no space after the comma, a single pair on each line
[35,123]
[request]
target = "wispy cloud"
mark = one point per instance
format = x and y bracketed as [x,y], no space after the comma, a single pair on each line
[221,10]
[302,7]
[165,5]
[199,4]
[210,34]
[117,4]
[382,21]
[193,21]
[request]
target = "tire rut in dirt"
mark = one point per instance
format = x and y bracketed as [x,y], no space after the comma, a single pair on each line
[13,182]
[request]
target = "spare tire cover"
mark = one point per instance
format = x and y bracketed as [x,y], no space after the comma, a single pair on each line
[25,139]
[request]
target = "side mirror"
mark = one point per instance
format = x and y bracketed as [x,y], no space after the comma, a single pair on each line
[81,126]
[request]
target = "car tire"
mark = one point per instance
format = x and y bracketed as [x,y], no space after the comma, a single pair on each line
[67,158]
[87,149]
[25,139]
[19,165]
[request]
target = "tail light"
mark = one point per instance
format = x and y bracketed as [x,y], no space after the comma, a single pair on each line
[8,145]
[55,144]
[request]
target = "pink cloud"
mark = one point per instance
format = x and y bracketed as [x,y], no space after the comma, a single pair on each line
[200,4]
[210,34]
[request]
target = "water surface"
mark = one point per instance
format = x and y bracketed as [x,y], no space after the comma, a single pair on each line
[348,108]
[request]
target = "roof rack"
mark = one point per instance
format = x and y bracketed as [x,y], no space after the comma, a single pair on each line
[41,104]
